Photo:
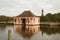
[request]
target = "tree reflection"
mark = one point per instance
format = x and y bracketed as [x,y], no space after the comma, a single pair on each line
[2,26]
[48,30]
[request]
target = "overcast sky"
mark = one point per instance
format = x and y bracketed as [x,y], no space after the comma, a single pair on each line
[16,7]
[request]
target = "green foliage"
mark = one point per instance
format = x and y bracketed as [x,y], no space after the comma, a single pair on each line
[43,18]
[51,17]
[5,18]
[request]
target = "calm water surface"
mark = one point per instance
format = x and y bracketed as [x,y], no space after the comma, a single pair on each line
[46,33]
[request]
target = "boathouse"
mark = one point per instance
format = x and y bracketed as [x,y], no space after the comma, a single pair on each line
[27,21]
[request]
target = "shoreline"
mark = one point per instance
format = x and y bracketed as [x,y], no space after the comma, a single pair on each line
[41,23]
[50,23]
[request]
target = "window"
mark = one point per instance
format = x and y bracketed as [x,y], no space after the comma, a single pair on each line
[38,20]
[28,21]
[27,18]
[18,18]
[30,18]
[34,19]
[15,20]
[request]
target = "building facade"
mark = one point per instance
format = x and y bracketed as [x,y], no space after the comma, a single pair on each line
[27,22]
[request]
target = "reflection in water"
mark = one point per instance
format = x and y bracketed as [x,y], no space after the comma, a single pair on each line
[50,30]
[2,26]
[46,33]
[29,31]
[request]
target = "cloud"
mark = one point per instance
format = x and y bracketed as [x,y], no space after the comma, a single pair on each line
[15,7]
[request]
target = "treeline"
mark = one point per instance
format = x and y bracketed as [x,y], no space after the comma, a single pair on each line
[51,17]
[5,18]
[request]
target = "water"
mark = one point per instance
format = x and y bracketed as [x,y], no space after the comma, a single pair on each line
[46,33]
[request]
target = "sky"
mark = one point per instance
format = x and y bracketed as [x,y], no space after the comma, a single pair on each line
[16,7]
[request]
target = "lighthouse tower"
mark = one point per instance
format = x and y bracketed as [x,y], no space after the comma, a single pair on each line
[42,13]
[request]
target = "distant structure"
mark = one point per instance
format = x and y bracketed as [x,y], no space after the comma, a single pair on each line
[42,13]
[27,22]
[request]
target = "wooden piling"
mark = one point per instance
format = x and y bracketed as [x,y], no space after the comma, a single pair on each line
[9,34]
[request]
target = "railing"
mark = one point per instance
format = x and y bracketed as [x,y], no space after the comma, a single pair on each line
[51,23]
[6,22]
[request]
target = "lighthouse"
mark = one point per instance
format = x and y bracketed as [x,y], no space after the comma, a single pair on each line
[42,13]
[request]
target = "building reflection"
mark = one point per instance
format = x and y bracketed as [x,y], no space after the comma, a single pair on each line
[29,31]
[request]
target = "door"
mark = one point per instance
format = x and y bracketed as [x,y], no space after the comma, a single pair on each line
[23,24]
